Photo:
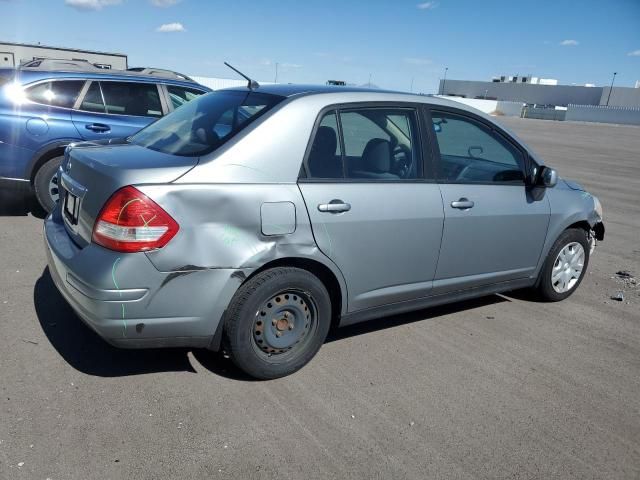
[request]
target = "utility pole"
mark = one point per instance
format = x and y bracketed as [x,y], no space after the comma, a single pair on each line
[611,87]
[275,80]
[444,81]
[370,80]
[411,88]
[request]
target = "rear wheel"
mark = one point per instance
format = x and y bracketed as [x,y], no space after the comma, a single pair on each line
[277,322]
[565,265]
[45,184]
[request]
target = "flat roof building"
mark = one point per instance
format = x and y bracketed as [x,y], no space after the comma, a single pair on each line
[14,54]
[541,94]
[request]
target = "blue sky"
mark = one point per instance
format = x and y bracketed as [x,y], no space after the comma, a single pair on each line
[315,40]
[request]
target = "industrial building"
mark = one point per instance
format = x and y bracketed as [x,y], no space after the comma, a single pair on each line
[14,54]
[541,94]
[524,79]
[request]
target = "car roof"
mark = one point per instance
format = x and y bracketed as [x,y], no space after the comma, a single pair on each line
[24,76]
[291,89]
[348,94]
[355,94]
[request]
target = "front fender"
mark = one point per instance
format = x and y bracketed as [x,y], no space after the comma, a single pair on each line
[568,207]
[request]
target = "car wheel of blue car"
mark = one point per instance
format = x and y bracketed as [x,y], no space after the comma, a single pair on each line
[277,322]
[45,184]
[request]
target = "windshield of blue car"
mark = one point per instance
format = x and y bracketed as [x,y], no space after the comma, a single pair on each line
[205,123]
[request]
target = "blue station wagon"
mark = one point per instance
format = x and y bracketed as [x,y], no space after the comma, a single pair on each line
[47,104]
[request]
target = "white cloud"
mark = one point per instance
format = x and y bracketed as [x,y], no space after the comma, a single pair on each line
[417,61]
[427,5]
[569,43]
[164,3]
[265,62]
[635,53]
[171,27]
[87,5]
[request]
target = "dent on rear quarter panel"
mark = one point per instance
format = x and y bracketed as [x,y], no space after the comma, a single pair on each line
[221,227]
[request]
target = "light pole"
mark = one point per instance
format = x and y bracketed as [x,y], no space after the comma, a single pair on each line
[411,89]
[444,81]
[370,80]
[611,87]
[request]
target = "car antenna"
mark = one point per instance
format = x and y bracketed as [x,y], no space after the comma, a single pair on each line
[252,84]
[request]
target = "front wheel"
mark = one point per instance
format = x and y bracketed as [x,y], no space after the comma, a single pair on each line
[277,322]
[565,265]
[45,184]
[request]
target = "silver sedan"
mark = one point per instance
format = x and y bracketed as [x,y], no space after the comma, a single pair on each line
[253,220]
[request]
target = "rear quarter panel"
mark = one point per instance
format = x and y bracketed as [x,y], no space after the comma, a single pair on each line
[221,226]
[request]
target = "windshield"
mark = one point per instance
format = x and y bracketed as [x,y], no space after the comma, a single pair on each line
[203,124]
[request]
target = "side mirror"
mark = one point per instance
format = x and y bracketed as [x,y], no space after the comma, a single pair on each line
[548,177]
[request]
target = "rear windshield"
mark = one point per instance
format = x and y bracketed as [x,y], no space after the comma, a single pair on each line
[203,124]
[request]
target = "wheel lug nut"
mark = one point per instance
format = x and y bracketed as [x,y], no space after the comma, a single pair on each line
[273,322]
[290,327]
[278,334]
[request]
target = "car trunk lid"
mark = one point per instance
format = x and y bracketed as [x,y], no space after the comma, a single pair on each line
[93,171]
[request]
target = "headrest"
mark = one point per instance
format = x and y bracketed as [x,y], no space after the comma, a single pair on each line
[376,157]
[325,142]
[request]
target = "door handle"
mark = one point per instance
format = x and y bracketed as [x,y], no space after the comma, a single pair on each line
[98,127]
[334,206]
[463,204]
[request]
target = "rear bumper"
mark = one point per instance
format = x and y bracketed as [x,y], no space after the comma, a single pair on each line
[131,304]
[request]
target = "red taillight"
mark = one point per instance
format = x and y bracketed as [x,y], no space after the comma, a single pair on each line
[132,222]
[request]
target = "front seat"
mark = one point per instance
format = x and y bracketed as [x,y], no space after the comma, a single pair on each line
[376,160]
[323,161]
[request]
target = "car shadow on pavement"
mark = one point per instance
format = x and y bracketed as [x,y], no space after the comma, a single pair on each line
[410,317]
[85,351]
[19,205]
[216,363]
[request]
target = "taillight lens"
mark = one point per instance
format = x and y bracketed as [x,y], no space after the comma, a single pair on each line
[132,222]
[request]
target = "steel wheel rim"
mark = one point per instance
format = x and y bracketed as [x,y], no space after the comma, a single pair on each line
[54,191]
[567,267]
[283,324]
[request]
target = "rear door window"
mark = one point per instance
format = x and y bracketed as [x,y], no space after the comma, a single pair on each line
[380,144]
[59,93]
[181,95]
[129,98]
[325,156]
[92,101]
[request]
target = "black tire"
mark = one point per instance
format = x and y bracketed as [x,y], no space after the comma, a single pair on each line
[545,285]
[42,181]
[246,318]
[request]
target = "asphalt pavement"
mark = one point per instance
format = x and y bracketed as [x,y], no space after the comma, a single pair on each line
[499,387]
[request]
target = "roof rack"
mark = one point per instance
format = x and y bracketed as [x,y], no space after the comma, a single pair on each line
[60,64]
[49,64]
[161,72]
